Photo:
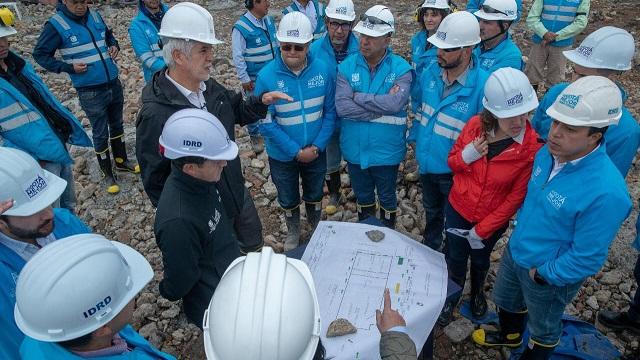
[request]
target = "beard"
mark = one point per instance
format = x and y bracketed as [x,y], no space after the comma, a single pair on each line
[41,231]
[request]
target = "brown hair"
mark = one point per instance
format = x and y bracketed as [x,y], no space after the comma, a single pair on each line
[489,121]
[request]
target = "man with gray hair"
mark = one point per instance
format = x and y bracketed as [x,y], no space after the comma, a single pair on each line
[188,36]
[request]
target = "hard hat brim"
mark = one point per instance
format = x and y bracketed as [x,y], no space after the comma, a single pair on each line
[7,31]
[493,17]
[294,40]
[531,105]
[556,115]
[340,17]
[360,29]
[214,41]
[228,154]
[56,187]
[576,58]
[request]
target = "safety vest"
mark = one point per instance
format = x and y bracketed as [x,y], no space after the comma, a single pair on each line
[556,15]
[324,50]
[22,124]
[505,54]
[260,43]
[85,43]
[320,28]
[421,58]
[378,141]
[144,40]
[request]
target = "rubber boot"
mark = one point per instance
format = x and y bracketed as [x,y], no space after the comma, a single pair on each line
[510,334]
[104,161]
[619,321]
[122,162]
[478,301]
[536,351]
[314,211]
[364,211]
[388,218]
[333,185]
[292,217]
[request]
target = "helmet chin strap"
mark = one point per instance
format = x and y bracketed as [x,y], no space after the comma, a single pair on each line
[502,31]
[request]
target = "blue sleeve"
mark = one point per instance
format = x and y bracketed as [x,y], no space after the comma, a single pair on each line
[328,114]
[142,49]
[346,106]
[387,104]
[541,122]
[10,336]
[595,229]
[626,150]
[45,51]
[270,129]
[473,6]
[66,224]
[109,38]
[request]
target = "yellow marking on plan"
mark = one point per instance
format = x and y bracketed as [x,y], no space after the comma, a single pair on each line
[397,288]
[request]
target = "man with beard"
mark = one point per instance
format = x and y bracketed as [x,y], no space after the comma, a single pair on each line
[28,225]
[451,95]
[143,33]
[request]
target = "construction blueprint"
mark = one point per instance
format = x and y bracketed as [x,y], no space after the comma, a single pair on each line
[351,272]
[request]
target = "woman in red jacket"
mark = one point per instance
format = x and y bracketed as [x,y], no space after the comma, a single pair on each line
[491,162]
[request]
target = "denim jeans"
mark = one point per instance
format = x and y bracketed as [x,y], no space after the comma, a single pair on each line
[334,154]
[375,179]
[286,176]
[514,291]
[458,249]
[435,194]
[68,198]
[634,308]
[103,107]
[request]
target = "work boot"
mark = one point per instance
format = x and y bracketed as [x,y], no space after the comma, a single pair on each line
[292,217]
[388,218]
[364,211]
[257,143]
[333,184]
[314,211]
[510,334]
[120,156]
[619,321]
[104,161]
[478,301]
[537,352]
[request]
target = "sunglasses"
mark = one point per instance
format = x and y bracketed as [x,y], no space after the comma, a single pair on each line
[334,25]
[288,47]
[373,20]
[489,10]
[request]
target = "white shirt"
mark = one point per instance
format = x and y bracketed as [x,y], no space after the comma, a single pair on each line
[239,44]
[195,98]
[24,249]
[557,165]
[309,11]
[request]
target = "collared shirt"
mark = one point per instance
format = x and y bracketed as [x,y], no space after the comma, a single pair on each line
[195,98]
[450,86]
[558,166]
[519,138]
[309,11]
[239,44]
[24,249]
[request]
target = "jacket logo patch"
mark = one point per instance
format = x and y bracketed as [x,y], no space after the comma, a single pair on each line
[73,39]
[34,187]
[537,171]
[355,77]
[316,81]
[570,100]
[584,51]
[280,84]
[258,41]
[487,63]
[432,84]
[213,223]
[460,106]
[556,199]
[390,78]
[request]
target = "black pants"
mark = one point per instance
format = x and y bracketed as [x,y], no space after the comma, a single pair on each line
[248,226]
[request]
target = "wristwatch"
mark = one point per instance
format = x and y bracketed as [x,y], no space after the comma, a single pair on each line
[539,279]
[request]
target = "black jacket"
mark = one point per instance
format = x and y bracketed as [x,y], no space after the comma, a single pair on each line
[160,99]
[196,239]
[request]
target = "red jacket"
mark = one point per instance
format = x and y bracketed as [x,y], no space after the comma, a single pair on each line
[488,192]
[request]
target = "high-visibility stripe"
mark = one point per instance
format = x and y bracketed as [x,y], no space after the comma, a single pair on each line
[267,119]
[18,121]
[296,120]
[288,107]
[150,62]
[262,58]
[557,17]
[61,21]
[80,48]
[251,51]
[446,132]
[427,109]
[314,101]
[157,53]
[551,7]
[88,59]
[96,17]
[244,25]
[155,47]
[10,110]
[146,55]
[451,121]
[390,120]
[569,9]
[317,36]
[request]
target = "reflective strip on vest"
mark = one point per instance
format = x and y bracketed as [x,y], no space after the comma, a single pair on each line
[88,59]
[16,122]
[557,17]
[262,58]
[445,132]
[296,105]
[561,8]
[96,17]
[146,55]
[250,51]
[80,48]
[451,121]
[61,21]
[244,25]
[390,120]
[296,120]
[317,36]
[10,110]
[428,110]
[149,62]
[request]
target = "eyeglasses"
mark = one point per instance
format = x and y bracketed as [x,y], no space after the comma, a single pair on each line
[296,47]
[334,25]
[489,10]
[373,20]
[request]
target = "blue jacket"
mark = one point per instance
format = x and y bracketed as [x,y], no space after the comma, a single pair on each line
[565,225]
[474,5]
[556,15]
[324,50]
[319,28]
[144,40]
[309,119]
[85,42]
[260,45]
[65,224]
[421,58]
[623,139]
[22,124]
[380,141]
[440,120]
[142,349]
[506,54]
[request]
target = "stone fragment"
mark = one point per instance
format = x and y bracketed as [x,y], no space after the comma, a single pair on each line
[459,330]
[340,327]
[375,235]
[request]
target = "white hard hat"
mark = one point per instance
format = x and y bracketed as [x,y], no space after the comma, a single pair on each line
[460,29]
[195,132]
[76,285]
[23,180]
[436,4]
[606,48]
[340,10]
[498,10]
[295,27]
[377,21]
[190,22]
[7,21]
[265,307]
[508,93]
[593,101]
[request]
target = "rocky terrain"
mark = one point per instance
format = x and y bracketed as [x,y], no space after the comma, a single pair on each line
[128,217]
